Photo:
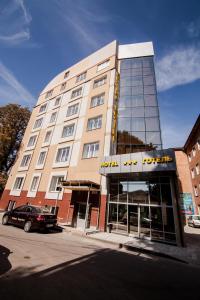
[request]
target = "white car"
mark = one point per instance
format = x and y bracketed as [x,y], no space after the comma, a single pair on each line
[194,221]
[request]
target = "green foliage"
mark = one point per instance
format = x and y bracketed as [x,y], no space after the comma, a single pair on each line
[13,122]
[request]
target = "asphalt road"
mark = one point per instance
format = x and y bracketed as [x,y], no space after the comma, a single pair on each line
[62,266]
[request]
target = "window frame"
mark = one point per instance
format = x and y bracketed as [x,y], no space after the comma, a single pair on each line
[97,97]
[93,119]
[75,93]
[103,65]
[90,145]
[101,79]
[81,76]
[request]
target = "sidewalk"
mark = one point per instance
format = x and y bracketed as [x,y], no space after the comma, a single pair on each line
[189,254]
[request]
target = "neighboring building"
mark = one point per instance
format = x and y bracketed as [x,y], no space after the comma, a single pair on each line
[192,150]
[95,130]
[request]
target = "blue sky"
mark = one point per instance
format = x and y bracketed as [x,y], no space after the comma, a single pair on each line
[40,38]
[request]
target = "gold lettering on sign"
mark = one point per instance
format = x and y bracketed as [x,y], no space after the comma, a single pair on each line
[158,160]
[130,162]
[115,107]
[109,164]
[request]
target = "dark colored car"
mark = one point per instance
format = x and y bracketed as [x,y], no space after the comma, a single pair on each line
[30,218]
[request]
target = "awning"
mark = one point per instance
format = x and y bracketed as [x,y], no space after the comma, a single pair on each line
[80,185]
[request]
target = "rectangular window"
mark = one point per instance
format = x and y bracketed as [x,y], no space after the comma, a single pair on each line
[94,123]
[97,100]
[47,136]
[68,130]
[189,157]
[76,93]
[62,154]
[55,182]
[72,110]
[196,191]
[49,94]
[34,184]
[53,117]
[90,150]
[38,123]
[57,101]
[197,169]
[25,160]
[81,77]
[198,144]
[66,75]
[18,183]
[31,141]
[63,86]
[41,158]
[99,82]
[192,173]
[103,65]
[43,108]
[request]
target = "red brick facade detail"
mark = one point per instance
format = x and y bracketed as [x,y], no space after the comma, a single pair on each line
[102,213]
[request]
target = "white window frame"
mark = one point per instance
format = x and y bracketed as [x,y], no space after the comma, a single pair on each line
[81,76]
[26,167]
[49,141]
[56,195]
[57,99]
[32,146]
[94,123]
[100,81]
[67,126]
[103,65]
[49,94]
[192,173]
[91,153]
[40,126]
[198,143]
[60,164]
[32,193]
[41,166]
[77,93]
[66,75]
[63,86]
[17,192]
[189,157]
[197,169]
[193,151]
[45,108]
[54,113]
[74,115]
[96,99]
[196,192]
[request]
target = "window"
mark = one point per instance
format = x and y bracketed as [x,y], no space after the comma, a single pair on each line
[57,101]
[197,169]
[198,144]
[90,150]
[43,108]
[41,158]
[189,157]
[49,94]
[38,123]
[76,93]
[97,100]
[25,160]
[100,81]
[68,130]
[66,75]
[47,136]
[81,77]
[103,65]
[94,123]
[196,191]
[31,141]
[72,110]
[55,181]
[18,183]
[53,117]
[34,184]
[62,154]
[193,151]
[192,173]
[63,86]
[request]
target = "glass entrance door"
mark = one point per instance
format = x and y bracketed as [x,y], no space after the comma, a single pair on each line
[81,215]
[133,221]
[145,222]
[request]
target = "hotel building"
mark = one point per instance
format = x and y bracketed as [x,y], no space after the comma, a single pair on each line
[92,151]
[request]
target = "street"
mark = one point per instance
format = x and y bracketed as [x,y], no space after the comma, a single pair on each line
[65,266]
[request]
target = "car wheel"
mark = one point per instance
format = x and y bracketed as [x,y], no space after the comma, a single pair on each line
[27,226]
[5,220]
[193,226]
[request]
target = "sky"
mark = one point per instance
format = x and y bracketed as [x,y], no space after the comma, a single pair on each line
[41,38]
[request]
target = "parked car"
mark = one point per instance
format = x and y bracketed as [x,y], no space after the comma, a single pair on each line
[30,218]
[194,221]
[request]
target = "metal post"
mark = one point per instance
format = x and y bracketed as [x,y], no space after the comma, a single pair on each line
[87,209]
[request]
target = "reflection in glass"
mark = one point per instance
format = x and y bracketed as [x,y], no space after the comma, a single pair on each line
[166,194]
[137,124]
[138,192]
[153,137]
[124,124]
[152,124]
[122,218]
[133,219]
[123,191]
[154,190]
[112,213]
[145,221]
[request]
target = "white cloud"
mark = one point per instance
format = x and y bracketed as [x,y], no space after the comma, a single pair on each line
[178,67]
[193,29]
[11,90]
[172,136]
[14,23]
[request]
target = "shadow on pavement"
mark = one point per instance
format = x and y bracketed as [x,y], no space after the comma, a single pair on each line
[5,265]
[105,274]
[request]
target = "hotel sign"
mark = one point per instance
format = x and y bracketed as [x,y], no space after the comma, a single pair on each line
[161,160]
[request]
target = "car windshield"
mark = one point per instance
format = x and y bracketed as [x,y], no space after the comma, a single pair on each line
[196,218]
[42,209]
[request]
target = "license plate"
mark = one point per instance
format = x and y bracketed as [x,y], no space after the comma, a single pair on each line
[49,225]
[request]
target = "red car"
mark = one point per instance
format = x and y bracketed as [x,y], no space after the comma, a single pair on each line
[30,218]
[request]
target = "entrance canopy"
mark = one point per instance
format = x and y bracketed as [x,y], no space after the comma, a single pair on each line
[80,185]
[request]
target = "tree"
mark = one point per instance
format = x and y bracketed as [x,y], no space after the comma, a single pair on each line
[13,122]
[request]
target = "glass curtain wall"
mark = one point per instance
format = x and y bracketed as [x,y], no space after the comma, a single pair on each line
[142,208]
[138,114]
